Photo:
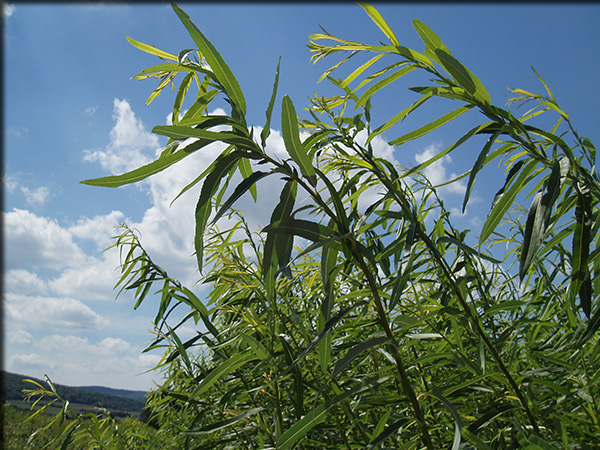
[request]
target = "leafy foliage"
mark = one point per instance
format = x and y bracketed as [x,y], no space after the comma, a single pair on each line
[352,325]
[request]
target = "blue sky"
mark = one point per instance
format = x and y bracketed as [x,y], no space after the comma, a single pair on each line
[72,111]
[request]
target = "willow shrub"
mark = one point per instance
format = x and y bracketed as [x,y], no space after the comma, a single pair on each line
[350,325]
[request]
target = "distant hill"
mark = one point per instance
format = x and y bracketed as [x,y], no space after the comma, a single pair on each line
[138,396]
[111,399]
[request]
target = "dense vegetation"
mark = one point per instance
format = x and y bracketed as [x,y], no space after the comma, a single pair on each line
[20,432]
[361,316]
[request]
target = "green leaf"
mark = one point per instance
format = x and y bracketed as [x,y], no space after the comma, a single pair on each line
[383,26]
[257,347]
[228,366]
[366,96]
[240,190]
[277,249]
[181,92]
[291,138]
[267,129]
[534,232]
[221,70]
[581,250]
[143,172]
[328,265]
[245,169]
[151,49]
[198,107]
[398,117]
[463,76]
[355,351]
[505,198]
[431,40]
[222,167]
[479,163]
[389,431]
[304,228]
[540,212]
[455,415]
[319,414]
[340,211]
[458,143]
[360,70]
[422,131]
[216,426]
[184,132]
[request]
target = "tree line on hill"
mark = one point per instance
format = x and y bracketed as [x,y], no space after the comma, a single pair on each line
[14,384]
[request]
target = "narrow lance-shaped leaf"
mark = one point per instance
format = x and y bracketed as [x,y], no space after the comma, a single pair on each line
[463,76]
[203,208]
[380,22]
[221,424]
[534,231]
[221,70]
[477,167]
[504,198]
[355,351]
[291,138]
[431,40]
[328,264]
[181,92]
[422,131]
[225,368]
[419,168]
[318,414]
[184,132]
[240,190]
[140,173]
[382,83]
[245,169]
[383,435]
[274,241]
[267,128]
[581,250]
[398,117]
[539,214]
[304,228]
[151,49]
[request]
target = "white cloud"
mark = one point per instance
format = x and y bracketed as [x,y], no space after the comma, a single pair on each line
[128,141]
[36,197]
[58,342]
[33,241]
[113,346]
[20,337]
[25,282]
[90,110]
[30,360]
[437,174]
[99,228]
[38,312]
[8,10]
[148,360]
[10,183]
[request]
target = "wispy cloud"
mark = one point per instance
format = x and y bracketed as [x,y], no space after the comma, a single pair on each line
[8,10]
[36,197]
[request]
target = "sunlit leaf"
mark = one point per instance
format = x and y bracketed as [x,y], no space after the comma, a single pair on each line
[380,22]
[291,138]
[151,49]
[216,62]
[267,128]
[422,131]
